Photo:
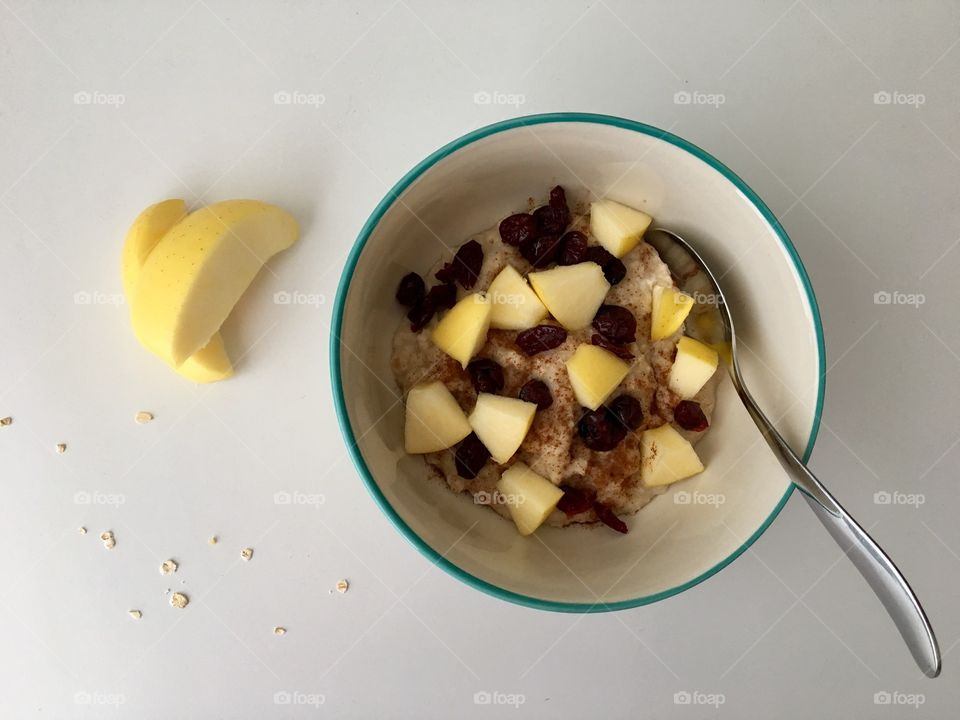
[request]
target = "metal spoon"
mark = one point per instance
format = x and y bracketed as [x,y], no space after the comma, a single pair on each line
[711,322]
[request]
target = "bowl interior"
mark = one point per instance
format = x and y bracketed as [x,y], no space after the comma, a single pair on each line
[698,526]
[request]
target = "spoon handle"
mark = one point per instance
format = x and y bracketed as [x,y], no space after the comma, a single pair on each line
[869,558]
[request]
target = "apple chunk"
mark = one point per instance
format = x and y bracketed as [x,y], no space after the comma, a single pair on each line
[515,305]
[666,457]
[501,423]
[530,497]
[670,309]
[694,365]
[434,420]
[463,330]
[594,374]
[572,293]
[617,227]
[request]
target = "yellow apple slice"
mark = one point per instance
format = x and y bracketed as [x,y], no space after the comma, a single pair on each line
[572,293]
[209,364]
[198,271]
[515,305]
[594,374]
[501,423]
[434,420]
[463,330]
[670,309]
[617,227]
[694,365]
[666,457]
[529,497]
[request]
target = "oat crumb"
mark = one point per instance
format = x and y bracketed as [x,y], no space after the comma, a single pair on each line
[82,530]
[343,586]
[135,614]
[143,417]
[213,540]
[179,600]
[109,542]
[279,630]
[61,448]
[246,553]
[168,566]
[6,421]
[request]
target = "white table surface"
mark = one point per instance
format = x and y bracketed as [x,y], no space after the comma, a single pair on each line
[181,103]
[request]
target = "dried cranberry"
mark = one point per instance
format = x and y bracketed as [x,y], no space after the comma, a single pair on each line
[536,391]
[607,517]
[467,263]
[558,201]
[627,410]
[689,415]
[470,457]
[613,268]
[420,314]
[619,350]
[517,228]
[540,338]
[616,323]
[439,297]
[575,501]
[549,220]
[446,274]
[600,430]
[573,248]
[411,290]
[540,250]
[485,375]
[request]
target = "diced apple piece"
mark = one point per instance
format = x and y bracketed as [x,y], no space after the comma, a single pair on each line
[666,457]
[572,293]
[515,305]
[594,374]
[530,497]
[501,423]
[694,365]
[434,419]
[463,330]
[670,309]
[617,227]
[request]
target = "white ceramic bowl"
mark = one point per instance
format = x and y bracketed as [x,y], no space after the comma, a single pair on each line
[696,528]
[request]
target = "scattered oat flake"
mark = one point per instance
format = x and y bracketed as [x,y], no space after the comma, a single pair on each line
[179,600]
[168,566]
[82,530]
[6,421]
[246,553]
[279,630]
[109,542]
[135,614]
[343,586]
[143,417]
[213,540]
[61,448]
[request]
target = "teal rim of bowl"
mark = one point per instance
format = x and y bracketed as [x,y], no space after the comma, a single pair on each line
[337,325]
